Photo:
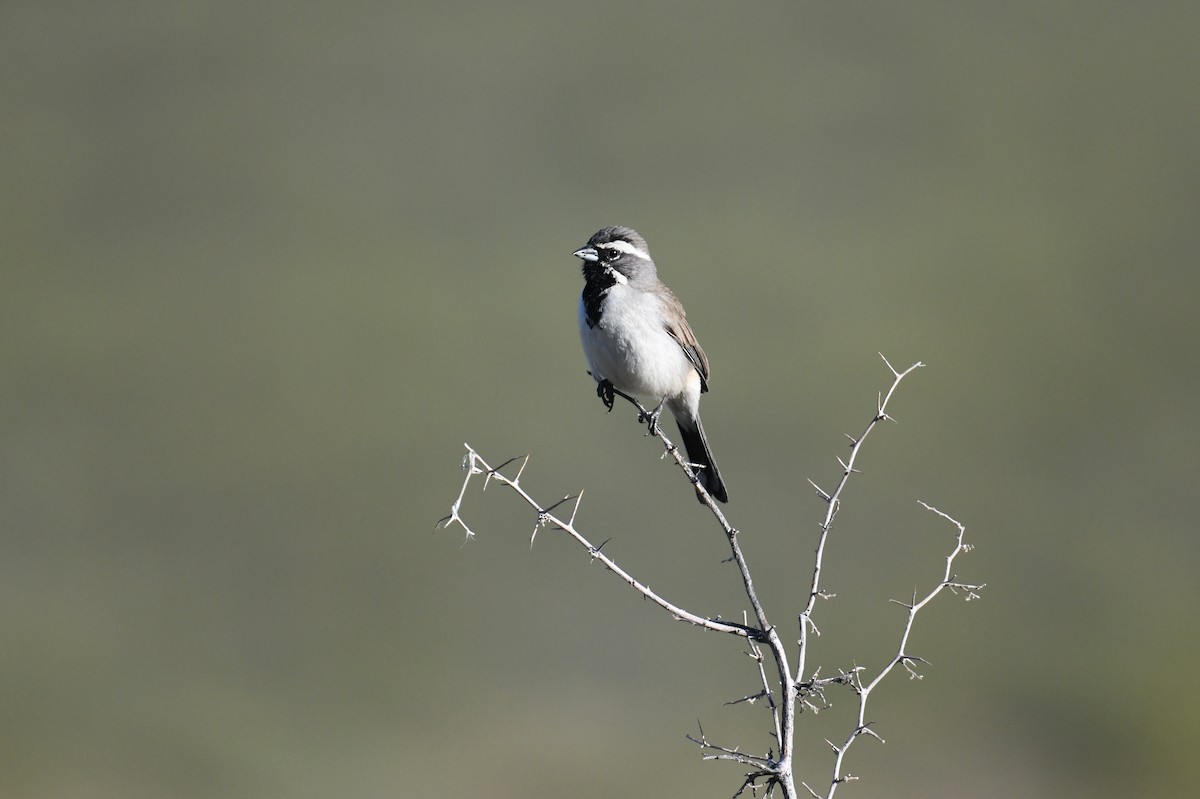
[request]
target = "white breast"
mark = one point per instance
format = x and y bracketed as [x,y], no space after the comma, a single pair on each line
[630,347]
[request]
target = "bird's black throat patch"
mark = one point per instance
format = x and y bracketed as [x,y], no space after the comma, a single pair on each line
[597,280]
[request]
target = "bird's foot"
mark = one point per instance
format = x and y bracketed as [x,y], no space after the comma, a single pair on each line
[604,390]
[651,418]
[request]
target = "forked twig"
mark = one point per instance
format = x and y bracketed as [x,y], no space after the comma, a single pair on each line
[786,692]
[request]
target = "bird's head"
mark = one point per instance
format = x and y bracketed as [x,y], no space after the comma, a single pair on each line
[621,249]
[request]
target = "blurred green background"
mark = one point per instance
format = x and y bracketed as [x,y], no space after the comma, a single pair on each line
[267,265]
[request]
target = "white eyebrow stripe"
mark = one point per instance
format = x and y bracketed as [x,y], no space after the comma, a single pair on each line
[623,246]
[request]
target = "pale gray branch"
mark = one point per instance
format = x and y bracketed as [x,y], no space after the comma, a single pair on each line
[902,656]
[785,692]
[833,500]
[474,465]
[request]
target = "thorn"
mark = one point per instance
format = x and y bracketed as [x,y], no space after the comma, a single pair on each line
[578,499]
[567,498]
[846,468]
[868,731]
[822,493]
[510,460]
[913,674]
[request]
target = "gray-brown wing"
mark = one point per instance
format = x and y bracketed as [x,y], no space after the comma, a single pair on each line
[679,329]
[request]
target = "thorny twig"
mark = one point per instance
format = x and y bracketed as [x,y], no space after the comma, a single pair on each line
[766,772]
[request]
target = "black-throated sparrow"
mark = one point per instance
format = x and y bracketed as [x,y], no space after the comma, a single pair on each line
[636,338]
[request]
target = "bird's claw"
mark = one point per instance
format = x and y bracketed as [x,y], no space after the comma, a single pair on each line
[651,418]
[604,390]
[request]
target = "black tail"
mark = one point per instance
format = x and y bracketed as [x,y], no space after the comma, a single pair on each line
[698,453]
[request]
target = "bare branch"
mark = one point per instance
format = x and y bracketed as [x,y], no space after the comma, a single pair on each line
[767,692]
[545,518]
[784,692]
[784,718]
[717,752]
[470,466]
[833,500]
[901,658]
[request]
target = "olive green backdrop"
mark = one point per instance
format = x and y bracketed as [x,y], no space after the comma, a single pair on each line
[267,265]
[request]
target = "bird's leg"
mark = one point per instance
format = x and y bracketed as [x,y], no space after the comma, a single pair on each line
[604,390]
[651,417]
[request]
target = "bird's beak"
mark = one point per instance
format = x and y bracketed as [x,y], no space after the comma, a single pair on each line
[587,254]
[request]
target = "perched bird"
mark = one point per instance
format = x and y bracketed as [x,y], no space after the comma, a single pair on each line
[636,338]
